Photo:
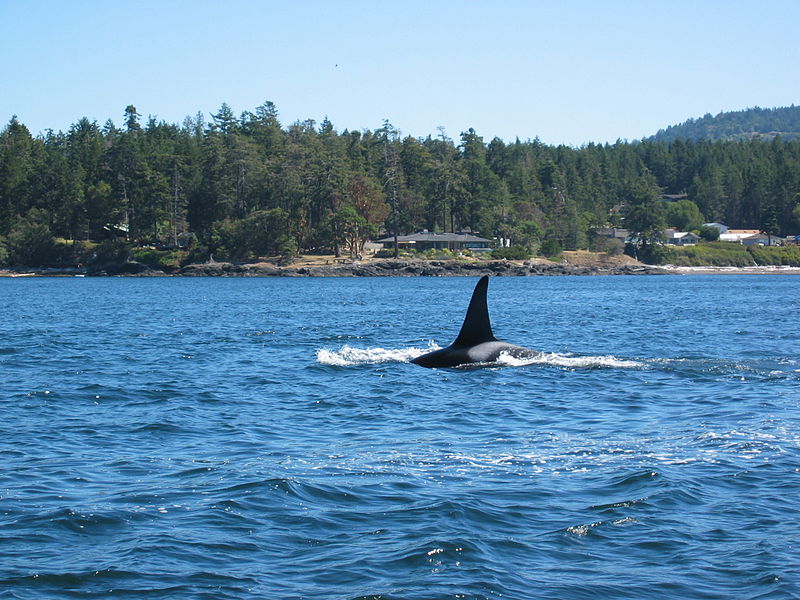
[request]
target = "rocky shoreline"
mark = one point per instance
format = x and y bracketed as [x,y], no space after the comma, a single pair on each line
[380,268]
[411,268]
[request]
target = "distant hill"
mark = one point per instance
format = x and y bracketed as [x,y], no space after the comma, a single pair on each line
[738,125]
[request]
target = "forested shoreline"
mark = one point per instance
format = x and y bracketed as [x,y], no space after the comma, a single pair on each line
[242,187]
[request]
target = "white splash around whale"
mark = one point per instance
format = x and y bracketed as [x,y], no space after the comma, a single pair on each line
[569,361]
[348,356]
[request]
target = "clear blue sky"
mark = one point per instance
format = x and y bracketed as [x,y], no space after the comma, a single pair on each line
[568,72]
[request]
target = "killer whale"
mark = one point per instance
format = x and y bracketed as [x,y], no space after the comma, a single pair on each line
[475,342]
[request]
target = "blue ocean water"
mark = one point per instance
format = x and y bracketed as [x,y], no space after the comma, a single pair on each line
[267,438]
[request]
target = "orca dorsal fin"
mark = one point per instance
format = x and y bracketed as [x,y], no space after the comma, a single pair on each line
[476,328]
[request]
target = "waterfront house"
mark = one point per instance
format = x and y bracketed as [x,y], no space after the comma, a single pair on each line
[737,235]
[762,239]
[115,231]
[680,238]
[426,240]
[615,233]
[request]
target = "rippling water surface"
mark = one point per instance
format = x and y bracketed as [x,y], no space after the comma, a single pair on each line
[267,438]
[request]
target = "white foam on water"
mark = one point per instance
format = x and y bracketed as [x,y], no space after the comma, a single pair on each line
[347,356]
[569,361]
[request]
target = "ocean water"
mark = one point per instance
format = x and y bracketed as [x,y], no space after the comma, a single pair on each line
[267,438]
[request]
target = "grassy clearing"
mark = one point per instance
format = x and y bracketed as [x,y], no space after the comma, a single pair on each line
[727,254]
[717,254]
[788,256]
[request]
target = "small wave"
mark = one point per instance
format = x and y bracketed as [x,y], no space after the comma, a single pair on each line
[158,428]
[83,522]
[348,356]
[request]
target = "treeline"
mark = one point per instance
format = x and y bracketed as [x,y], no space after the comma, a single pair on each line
[243,186]
[737,125]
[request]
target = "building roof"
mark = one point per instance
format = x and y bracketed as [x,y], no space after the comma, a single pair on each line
[674,234]
[611,232]
[737,235]
[426,236]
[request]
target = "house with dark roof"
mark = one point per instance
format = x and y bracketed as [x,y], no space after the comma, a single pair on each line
[762,239]
[612,233]
[426,240]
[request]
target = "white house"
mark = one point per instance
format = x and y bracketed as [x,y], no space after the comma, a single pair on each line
[737,235]
[680,238]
